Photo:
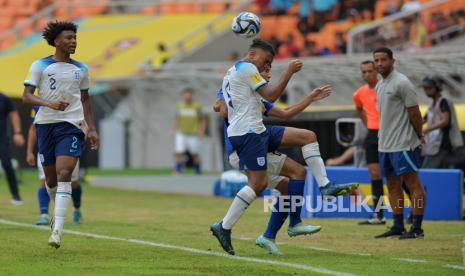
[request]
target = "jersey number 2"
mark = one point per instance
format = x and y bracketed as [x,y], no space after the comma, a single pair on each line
[52,84]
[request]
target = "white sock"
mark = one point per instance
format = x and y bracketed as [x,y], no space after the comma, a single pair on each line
[242,200]
[312,156]
[51,192]
[63,196]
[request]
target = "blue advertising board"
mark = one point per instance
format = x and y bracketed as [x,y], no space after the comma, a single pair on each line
[443,195]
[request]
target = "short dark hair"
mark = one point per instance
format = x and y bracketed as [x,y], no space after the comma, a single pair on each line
[385,50]
[53,29]
[367,62]
[188,90]
[262,44]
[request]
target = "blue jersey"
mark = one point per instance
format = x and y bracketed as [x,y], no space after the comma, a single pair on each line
[229,148]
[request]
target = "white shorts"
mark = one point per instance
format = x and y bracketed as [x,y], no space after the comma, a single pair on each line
[275,164]
[185,143]
[74,175]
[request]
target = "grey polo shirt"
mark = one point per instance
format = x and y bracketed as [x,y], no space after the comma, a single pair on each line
[395,94]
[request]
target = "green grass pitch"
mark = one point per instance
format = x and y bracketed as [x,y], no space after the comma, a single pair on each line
[182,221]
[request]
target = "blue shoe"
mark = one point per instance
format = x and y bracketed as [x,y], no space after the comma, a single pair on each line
[269,245]
[333,189]
[223,236]
[302,229]
[43,220]
[76,217]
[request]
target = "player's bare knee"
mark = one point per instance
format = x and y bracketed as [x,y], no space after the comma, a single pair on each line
[310,136]
[64,174]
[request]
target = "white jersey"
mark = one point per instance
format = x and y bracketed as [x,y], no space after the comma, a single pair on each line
[59,81]
[244,104]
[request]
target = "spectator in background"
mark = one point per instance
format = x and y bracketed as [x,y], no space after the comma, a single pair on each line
[290,48]
[280,7]
[442,133]
[8,109]
[263,6]
[367,16]
[321,10]
[161,57]
[190,126]
[412,5]
[325,51]
[340,45]
[354,18]
[304,12]
[310,49]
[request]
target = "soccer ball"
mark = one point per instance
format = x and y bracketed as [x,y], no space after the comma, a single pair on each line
[246,24]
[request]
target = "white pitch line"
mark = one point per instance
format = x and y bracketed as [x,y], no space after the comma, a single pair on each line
[319,248]
[188,249]
[454,266]
[410,260]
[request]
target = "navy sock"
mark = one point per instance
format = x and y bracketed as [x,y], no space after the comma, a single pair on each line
[398,221]
[76,195]
[295,188]
[197,169]
[277,220]
[178,167]
[416,221]
[44,200]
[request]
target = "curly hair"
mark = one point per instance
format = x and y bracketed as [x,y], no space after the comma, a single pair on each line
[54,29]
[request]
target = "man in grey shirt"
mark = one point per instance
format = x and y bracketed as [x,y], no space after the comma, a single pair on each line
[400,138]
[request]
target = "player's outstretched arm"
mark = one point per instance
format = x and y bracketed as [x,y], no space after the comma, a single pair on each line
[288,113]
[272,92]
[89,118]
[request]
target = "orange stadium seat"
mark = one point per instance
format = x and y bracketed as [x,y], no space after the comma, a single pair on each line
[269,25]
[149,10]
[215,7]
[168,8]
[9,41]
[5,23]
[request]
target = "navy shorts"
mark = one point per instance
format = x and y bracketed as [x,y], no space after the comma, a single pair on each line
[252,149]
[276,135]
[398,163]
[59,139]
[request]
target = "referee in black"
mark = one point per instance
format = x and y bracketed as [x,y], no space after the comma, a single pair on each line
[8,109]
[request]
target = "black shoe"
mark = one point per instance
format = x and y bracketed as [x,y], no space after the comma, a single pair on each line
[394,231]
[223,236]
[413,234]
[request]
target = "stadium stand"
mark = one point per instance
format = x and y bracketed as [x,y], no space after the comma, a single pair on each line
[119,47]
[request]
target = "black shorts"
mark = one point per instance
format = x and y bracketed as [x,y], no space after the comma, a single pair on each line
[371,146]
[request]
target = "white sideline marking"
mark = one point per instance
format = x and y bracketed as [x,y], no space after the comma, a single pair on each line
[318,248]
[188,249]
[454,266]
[347,253]
[410,260]
[242,238]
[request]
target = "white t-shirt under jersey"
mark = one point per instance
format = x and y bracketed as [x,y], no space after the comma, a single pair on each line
[244,104]
[57,81]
